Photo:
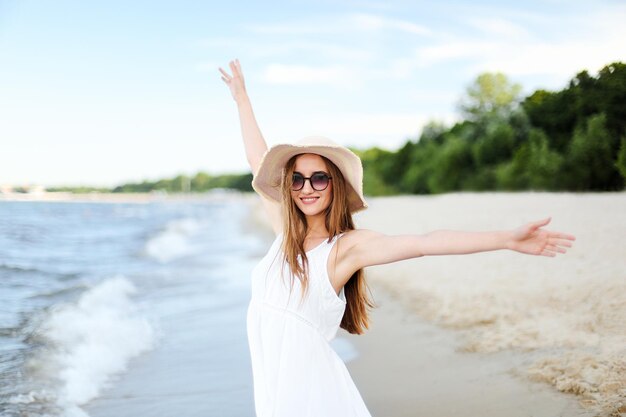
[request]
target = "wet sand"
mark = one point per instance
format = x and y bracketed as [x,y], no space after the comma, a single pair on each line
[408,367]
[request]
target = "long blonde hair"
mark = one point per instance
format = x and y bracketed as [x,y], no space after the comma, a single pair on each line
[338,220]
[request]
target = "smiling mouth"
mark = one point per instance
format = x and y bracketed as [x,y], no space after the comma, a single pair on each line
[309,200]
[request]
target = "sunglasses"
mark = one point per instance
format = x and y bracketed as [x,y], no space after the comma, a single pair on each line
[319,181]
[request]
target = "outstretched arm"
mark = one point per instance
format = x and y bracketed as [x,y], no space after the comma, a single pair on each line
[253,140]
[372,248]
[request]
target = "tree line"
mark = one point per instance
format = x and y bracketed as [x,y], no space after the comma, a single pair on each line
[568,140]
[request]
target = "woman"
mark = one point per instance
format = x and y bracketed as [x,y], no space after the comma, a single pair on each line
[310,190]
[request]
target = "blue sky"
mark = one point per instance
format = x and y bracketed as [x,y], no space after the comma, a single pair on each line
[104,93]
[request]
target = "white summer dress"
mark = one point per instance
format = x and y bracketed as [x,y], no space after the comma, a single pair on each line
[296,372]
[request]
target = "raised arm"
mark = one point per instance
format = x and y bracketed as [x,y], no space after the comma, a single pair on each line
[373,248]
[253,140]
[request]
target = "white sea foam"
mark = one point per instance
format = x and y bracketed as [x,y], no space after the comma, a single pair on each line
[174,241]
[86,344]
[572,306]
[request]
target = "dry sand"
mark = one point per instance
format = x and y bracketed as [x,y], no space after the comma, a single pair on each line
[497,333]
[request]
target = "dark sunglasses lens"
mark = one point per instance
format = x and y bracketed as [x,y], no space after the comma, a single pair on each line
[319,181]
[297,181]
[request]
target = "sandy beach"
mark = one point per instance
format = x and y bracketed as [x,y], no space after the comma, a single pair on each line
[497,333]
[488,334]
[409,367]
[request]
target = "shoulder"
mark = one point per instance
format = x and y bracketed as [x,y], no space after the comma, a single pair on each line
[352,250]
[360,234]
[357,237]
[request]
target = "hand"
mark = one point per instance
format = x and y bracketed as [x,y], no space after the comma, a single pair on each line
[533,240]
[235,83]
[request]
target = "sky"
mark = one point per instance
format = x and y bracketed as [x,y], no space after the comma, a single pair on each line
[104,93]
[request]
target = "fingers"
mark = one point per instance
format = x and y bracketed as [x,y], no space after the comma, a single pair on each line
[563,235]
[235,67]
[556,241]
[555,248]
[224,72]
[542,222]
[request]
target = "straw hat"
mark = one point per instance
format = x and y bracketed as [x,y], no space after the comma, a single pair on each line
[267,180]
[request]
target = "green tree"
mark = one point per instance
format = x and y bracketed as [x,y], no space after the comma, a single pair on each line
[201,182]
[589,163]
[420,168]
[377,166]
[534,165]
[432,131]
[495,146]
[543,165]
[452,162]
[559,113]
[620,164]
[513,175]
[491,94]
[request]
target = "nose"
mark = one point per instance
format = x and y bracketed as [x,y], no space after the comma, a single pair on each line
[308,187]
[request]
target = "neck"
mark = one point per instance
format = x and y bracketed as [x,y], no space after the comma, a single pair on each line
[316,225]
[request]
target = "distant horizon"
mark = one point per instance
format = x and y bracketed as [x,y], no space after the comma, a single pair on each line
[77,185]
[145,101]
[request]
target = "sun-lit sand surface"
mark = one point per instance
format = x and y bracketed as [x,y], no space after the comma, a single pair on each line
[567,313]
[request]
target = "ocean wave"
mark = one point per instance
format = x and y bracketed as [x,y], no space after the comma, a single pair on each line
[174,241]
[83,345]
[14,268]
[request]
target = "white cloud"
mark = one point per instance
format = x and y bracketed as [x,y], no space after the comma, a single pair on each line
[387,130]
[351,23]
[322,50]
[301,74]
[293,28]
[564,59]
[436,54]
[210,66]
[591,42]
[499,27]
[370,22]
[434,96]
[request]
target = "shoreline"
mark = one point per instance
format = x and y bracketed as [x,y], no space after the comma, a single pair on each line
[409,367]
[97,197]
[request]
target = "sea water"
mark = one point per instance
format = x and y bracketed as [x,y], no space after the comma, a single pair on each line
[127,309]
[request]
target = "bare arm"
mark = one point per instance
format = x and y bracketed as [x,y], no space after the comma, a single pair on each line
[373,248]
[253,140]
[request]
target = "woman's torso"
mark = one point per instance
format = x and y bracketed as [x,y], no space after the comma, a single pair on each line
[322,308]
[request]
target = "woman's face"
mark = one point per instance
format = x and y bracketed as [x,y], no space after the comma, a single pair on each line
[309,200]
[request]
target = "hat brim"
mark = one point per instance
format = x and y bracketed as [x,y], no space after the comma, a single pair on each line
[267,180]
